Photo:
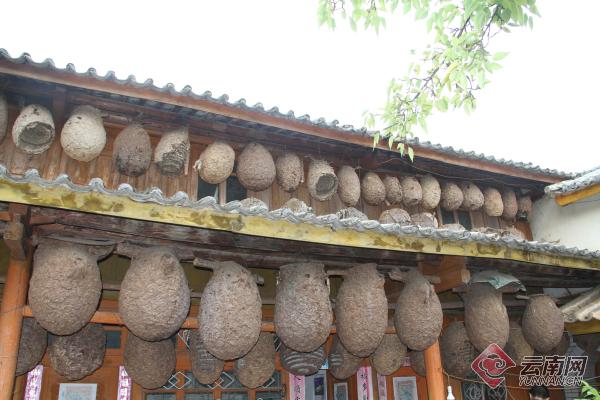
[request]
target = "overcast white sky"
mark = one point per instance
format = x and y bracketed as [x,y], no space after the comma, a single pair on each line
[542,107]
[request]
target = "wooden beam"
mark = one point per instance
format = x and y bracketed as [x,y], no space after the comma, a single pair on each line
[570,198]
[435,373]
[583,327]
[452,272]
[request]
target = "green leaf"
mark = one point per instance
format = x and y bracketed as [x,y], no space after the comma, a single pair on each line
[500,55]
[411,153]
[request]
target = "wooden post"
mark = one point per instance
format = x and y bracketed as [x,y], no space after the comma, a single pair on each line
[435,374]
[11,319]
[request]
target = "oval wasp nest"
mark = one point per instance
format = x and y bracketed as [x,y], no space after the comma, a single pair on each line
[452,196]
[230,325]
[561,348]
[361,310]
[256,168]
[290,171]
[256,367]
[297,206]
[418,317]
[486,318]
[215,163]
[388,357]
[457,351]
[155,297]
[525,205]
[342,363]
[83,136]
[412,193]
[303,314]
[393,189]
[205,367]
[80,354]
[32,346]
[543,323]
[417,362]
[65,287]
[472,196]
[322,182]
[431,192]
[395,216]
[3,116]
[351,212]
[149,364]
[132,151]
[172,152]
[372,189]
[348,186]
[492,202]
[33,130]
[509,198]
[424,219]
[300,363]
[517,347]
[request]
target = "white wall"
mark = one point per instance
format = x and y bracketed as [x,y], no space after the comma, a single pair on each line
[577,224]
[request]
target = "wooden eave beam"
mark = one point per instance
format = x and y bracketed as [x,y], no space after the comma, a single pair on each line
[90,83]
[452,272]
[570,198]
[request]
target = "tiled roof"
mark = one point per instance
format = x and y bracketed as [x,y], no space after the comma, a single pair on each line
[169,88]
[583,308]
[582,181]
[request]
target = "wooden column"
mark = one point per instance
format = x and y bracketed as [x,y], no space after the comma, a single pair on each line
[435,374]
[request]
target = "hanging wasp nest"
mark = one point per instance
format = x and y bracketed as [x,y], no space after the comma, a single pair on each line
[33,130]
[32,346]
[561,348]
[418,316]
[296,206]
[543,323]
[509,198]
[412,193]
[256,168]
[395,216]
[351,212]
[65,287]
[230,325]
[172,152]
[83,136]
[253,202]
[132,150]
[348,185]
[300,363]
[517,346]
[525,206]
[417,362]
[372,189]
[149,364]
[424,219]
[303,314]
[215,163]
[431,192]
[361,310]
[472,196]
[155,297]
[486,318]
[290,171]
[80,354]
[256,367]
[3,116]
[393,189]
[457,351]
[322,182]
[452,196]
[205,367]
[492,202]
[388,357]
[342,363]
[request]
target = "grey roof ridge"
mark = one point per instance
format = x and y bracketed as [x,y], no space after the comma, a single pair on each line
[582,181]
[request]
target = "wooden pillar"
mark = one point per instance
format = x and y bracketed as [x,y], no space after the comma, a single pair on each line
[435,374]
[11,318]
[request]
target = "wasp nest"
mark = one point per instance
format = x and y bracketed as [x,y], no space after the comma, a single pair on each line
[205,367]
[412,193]
[509,198]
[418,317]
[215,163]
[230,325]
[472,196]
[256,367]
[300,363]
[172,152]
[492,202]
[83,136]
[149,364]
[348,186]
[253,202]
[431,192]
[361,310]
[486,318]
[453,227]
[417,362]
[256,168]
[561,348]
[155,297]
[290,171]
[517,347]
[33,130]
[452,196]
[303,314]
[543,323]
[3,116]
[372,189]
[65,287]
[80,354]
[457,351]
[525,206]
[351,212]
[342,363]
[32,346]
[388,357]
[395,216]
[132,151]
[296,206]
[424,219]
[393,189]
[322,181]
